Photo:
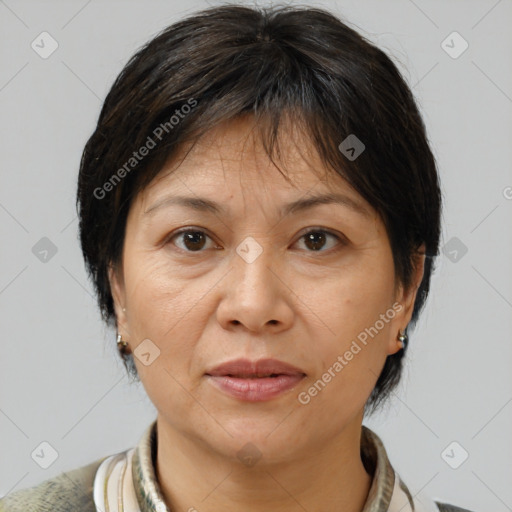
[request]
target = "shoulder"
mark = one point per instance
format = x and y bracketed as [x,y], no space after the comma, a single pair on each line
[445,507]
[71,490]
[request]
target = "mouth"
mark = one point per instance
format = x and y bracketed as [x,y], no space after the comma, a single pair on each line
[255,381]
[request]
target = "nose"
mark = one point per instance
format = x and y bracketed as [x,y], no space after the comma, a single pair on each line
[255,294]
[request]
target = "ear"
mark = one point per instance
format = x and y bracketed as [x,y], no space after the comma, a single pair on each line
[115,276]
[406,298]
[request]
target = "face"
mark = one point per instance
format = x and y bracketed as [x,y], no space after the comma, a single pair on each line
[232,272]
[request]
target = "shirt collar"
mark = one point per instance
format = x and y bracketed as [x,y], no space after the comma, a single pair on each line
[373,455]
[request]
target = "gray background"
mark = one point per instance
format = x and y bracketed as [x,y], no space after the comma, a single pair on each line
[60,377]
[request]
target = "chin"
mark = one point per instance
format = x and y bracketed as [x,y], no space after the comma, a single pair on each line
[273,436]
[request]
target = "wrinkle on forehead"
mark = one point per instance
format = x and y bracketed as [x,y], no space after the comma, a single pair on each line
[242,140]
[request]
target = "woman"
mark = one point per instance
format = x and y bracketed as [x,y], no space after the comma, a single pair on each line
[259,213]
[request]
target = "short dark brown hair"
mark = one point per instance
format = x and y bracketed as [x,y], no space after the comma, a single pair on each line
[300,62]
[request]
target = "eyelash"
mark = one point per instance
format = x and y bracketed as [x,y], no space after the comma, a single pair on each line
[339,238]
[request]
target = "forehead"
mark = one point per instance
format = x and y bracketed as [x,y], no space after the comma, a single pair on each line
[233,155]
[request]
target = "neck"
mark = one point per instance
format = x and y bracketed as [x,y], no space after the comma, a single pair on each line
[327,478]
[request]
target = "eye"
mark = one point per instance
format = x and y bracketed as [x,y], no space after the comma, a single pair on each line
[195,240]
[316,238]
[192,240]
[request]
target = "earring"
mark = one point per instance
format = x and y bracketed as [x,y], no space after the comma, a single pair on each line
[402,338]
[121,344]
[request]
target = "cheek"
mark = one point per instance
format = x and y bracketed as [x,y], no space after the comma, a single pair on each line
[348,367]
[167,311]
[353,299]
[356,312]
[159,299]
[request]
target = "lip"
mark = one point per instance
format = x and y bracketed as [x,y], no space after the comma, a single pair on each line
[255,381]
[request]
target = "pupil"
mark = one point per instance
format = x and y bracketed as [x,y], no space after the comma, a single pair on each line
[317,239]
[194,240]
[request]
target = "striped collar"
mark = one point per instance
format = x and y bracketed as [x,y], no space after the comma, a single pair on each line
[126,482]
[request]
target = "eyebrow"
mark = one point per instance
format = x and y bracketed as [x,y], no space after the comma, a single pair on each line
[206,205]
